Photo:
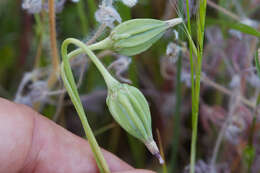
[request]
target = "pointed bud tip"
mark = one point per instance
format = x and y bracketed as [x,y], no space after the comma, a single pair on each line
[152,147]
[159,157]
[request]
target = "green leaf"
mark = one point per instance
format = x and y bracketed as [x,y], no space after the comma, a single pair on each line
[257,64]
[234,25]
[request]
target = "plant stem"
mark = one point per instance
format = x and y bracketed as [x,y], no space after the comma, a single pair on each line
[177,119]
[196,91]
[104,44]
[53,41]
[99,31]
[233,103]
[223,10]
[39,35]
[224,90]
[91,4]
[82,17]
[194,132]
[71,87]
[164,166]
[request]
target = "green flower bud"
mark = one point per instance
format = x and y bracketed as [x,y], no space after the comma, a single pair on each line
[135,36]
[130,109]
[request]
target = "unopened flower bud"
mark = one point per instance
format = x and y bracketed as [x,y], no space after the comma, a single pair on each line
[135,36]
[130,109]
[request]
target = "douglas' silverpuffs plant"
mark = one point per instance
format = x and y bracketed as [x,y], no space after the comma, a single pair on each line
[126,103]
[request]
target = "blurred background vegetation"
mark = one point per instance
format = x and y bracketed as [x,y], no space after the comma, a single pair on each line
[228,135]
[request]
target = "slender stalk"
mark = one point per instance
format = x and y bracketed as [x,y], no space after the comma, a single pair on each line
[233,103]
[164,166]
[177,113]
[196,93]
[194,132]
[82,17]
[39,35]
[38,54]
[97,34]
[223,10]
[71,87]
[177,119]
[105,128]
[53,41]
[91,4]
[104,44]
[226,91]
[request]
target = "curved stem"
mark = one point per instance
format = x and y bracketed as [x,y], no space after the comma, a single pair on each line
[104,44]
[71,87]
[110,81]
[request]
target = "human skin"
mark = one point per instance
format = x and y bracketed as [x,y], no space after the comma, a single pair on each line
[30,143]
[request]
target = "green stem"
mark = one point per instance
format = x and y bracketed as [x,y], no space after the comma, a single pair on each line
[91,11]
[176,119]
[82,17]
[194,132]
[104,44]
[196,90]
[177,113]
[71,87]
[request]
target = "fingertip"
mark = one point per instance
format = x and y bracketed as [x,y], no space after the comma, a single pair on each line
[36,143]
[137,171]
[16,126]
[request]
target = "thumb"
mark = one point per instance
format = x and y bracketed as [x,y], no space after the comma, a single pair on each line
[136,171]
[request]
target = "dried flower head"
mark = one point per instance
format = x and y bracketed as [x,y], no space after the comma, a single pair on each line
[235,82]
[185,77]
[200,167]
[120,66]
[254,80]
[250,22]
[36,6]
[203,167]
[32,6]
[236,34]
[129,3]
[173,51]
[30,92]
[107,15]
[238,124]
[59,4]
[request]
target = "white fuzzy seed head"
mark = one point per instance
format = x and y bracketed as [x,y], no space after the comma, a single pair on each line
[129,3]
[235,82]
[32,6]
[107,15]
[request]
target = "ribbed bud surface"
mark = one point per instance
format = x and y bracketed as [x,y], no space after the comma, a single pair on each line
[135,36]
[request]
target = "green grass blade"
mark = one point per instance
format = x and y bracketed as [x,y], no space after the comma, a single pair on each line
[246,29]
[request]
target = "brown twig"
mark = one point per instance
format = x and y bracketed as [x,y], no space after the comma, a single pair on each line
[226,91]
[97,34]
[53,41]
[233,103]
[223,10]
